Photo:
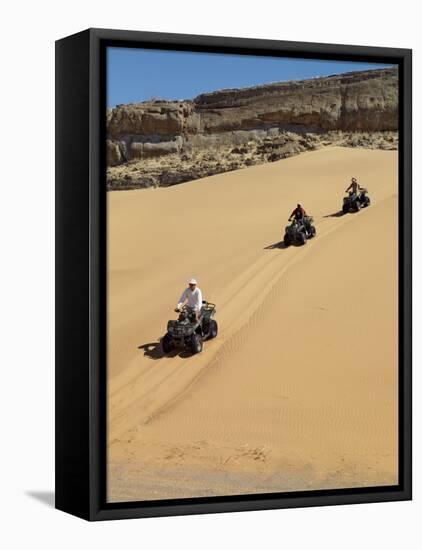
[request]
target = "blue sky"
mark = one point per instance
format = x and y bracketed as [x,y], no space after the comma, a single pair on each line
[135,75]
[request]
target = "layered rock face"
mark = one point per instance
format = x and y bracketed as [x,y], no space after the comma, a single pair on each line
[251,118]
[353,101]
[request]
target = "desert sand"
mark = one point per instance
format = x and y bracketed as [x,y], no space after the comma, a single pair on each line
[299,389]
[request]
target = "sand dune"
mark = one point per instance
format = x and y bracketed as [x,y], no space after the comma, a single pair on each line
[299,389]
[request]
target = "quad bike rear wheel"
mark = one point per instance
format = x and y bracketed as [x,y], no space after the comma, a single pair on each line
[356,206]
[196,343]
[167,343]
[312,231]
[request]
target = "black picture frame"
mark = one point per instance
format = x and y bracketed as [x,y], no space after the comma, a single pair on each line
[81,272]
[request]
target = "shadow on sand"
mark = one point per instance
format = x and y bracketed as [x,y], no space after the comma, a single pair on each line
[334,215]
[280,246]
[153,350]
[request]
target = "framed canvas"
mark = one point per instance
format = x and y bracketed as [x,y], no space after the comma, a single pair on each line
[233,274]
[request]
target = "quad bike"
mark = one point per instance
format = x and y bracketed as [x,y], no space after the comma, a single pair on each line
[190,331]
[355,201]
[299,231]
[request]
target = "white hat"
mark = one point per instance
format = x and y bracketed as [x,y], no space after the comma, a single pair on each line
[192,282]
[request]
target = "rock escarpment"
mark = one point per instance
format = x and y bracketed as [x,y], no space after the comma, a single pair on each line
[229,129]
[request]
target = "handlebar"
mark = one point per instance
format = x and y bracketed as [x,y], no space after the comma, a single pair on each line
[185,307]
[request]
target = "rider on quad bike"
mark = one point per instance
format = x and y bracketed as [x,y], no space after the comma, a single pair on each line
[299,214]
[354,187]
[194,325]
[301,229]
[192,295]
[356,199]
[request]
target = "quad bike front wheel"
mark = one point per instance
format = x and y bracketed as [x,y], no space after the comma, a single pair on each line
[167,343]
[213,328]
[301,238]
[345,209]
[287,240]
[196,343]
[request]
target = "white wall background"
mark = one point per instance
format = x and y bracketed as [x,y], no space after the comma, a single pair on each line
[27,37]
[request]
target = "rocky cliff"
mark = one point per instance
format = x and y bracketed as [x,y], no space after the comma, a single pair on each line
[263,122]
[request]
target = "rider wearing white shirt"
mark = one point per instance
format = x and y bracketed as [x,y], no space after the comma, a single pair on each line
[192,296]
